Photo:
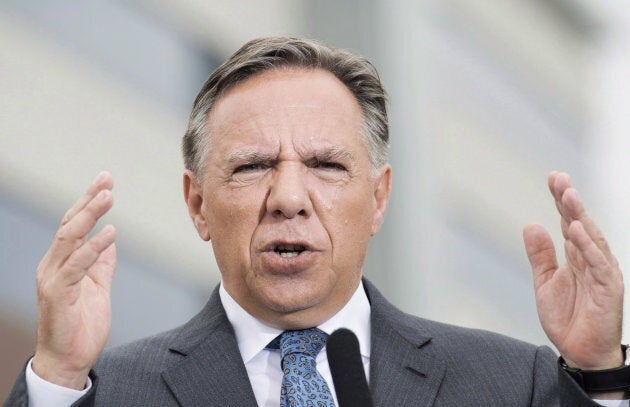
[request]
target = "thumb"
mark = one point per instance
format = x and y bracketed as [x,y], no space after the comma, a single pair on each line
[541,252]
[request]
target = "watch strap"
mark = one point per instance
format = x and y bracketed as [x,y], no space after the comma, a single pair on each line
[595,381]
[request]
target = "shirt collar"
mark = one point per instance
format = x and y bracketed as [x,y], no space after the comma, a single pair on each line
[252,335]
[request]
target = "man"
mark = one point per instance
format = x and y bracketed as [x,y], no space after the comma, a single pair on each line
[287,177]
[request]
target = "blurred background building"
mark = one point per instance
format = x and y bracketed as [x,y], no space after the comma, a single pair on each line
[486,98]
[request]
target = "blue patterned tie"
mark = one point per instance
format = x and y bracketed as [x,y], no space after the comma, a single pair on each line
[302,385]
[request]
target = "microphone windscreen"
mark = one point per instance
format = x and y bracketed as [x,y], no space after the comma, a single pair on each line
[346,368]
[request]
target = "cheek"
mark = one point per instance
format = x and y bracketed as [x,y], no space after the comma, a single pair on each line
[233,217]
[347,216]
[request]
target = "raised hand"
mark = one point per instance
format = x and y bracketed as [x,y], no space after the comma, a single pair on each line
[73,289]
[580,303]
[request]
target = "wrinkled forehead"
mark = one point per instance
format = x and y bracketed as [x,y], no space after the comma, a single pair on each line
[312,108]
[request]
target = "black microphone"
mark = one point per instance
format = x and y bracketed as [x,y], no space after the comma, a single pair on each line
[346,367]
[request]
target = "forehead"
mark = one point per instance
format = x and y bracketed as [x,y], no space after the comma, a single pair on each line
[307,106]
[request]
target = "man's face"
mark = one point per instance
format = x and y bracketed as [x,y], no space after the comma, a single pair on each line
[289,199]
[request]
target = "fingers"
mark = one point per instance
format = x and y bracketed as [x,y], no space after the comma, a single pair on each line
[574,258]
[558,184]
[80,220]
[102,271]
[572,201]
[571,209]
[588,252]
[86,256]
[102,181]
[541,253]
[564,227]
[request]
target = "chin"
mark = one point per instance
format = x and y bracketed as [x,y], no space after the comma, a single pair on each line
[295,300]
[298,301]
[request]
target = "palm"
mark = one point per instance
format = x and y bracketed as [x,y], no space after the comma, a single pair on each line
[579,304]
[89,311]
[74,283]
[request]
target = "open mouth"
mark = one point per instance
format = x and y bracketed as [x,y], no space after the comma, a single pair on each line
[288,251]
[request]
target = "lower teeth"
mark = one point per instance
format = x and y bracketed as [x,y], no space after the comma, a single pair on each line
[289,254]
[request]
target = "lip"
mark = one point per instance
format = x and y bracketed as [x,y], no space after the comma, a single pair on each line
[275,263]
[271,247]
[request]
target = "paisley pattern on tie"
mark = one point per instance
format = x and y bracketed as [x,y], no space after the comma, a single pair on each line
[302,385]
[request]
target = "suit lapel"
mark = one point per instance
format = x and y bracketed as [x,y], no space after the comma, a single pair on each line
[211,370]
[404,370]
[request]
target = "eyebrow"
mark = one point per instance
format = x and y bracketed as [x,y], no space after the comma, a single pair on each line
[249,156]
[324,154]
[333,154]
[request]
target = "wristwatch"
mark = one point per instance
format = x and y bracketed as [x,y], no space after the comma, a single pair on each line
[598,381]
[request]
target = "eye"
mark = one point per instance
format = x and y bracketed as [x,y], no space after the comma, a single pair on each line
[329,165]
[250,168]
[246,173]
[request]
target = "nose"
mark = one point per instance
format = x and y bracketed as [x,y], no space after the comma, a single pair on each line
[288,193]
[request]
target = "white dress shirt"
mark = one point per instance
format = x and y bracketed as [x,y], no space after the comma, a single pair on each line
[42,393]
[263,365]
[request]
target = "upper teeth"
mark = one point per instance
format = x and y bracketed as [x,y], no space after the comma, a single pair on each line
[289,250]
[289,247]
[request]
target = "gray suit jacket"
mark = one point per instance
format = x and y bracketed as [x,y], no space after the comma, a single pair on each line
[414,362]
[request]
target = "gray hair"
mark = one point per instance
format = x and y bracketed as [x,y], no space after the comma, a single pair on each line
[265,54]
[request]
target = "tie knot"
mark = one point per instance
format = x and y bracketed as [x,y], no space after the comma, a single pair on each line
[308,341]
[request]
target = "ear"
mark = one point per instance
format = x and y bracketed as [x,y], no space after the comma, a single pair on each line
[382,191]
[193,196]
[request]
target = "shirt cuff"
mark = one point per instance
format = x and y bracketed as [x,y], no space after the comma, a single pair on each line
[42,393]
[613,403]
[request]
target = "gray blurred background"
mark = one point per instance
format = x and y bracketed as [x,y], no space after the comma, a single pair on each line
[487,97]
